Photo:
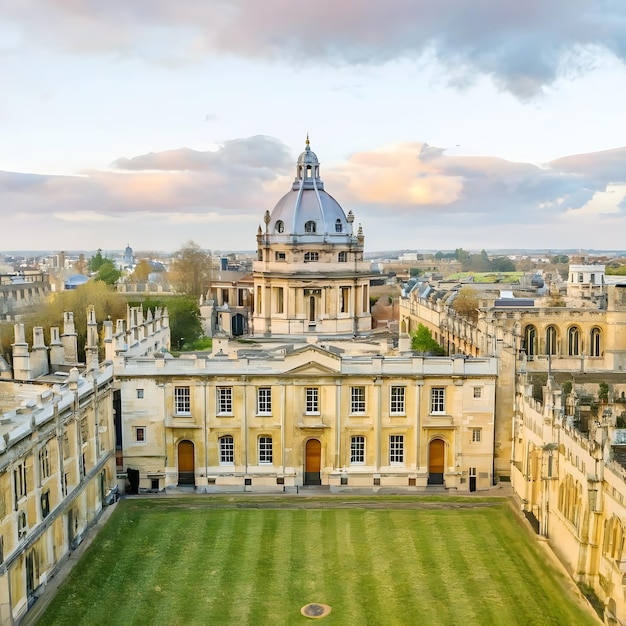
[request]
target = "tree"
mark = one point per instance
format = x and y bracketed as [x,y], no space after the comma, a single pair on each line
[466,303]
[141,272]
[96,261]
[422,341]
[108,273]
[191,270]
[502,264]
[414,272]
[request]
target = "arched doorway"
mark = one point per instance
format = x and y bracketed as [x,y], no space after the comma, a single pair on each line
[313,462]
[186,464]
[436,457]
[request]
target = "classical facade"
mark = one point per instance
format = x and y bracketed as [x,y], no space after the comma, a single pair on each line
[307,415]
[310,277]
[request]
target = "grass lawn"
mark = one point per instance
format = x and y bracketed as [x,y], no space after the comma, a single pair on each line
[220,560]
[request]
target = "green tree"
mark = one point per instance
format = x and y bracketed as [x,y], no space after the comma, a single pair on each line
[422,341]
[96,261]
[439,255]
[414,272]
[191,270]
[108,273]
[502,264]
[185,319]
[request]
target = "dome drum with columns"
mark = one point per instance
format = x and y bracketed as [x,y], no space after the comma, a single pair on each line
[310,277]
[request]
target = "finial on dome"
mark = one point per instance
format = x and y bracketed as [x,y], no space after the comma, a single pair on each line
[307,142]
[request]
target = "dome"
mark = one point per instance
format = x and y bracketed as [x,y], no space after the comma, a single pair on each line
[307,211]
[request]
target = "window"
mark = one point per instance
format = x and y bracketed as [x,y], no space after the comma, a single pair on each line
[573,341]
[264,401]
[396,449]
[595,344]
[311,257]
[438,400]
[280,226]
[265,450]
[312,395]
[227,450]
[281,256]
[182,401]
[357,449]
[19,479]
[279,300]
[345,300]
[476,435]
[22,525]
[140,434]
[343,257]
[224,400]
[396,404]
[66,446]
[478,393]
[140,393]
[310,227]
[84,430]
[530,340]
[338,226]
[45,504]
[44,463]
[358,400]
[551,340]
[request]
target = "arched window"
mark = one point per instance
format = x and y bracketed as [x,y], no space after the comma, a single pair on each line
[338,226]
[343,257]
[310,227]
[227,450]
[573,341]
[280,226]
[595,344]
[530,340]
[265,450]
[311,257]
[551,347]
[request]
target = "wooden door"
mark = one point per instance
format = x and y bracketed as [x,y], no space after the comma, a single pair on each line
[186,464]
[436,454]
[313,462]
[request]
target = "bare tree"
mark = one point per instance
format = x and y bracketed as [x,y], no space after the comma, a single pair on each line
[191,270]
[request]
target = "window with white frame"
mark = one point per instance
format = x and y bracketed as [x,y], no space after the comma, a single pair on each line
[139,394]
[182,401]
[224,400]
[438,400]
[478,392]
[311,257]
[357,404]
[357,449]
[476,435]
[140,434]
[342,257]
[312,399]
[227,450]
[396,449]
[265,450]
[264,401]
[396,401]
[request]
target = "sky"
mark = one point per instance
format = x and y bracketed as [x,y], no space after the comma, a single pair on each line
[439,123]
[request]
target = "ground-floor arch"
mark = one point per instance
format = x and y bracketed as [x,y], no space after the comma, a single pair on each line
[186,463]
[313,462]
[436,461]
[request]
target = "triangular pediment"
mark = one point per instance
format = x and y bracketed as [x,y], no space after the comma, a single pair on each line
[313,361]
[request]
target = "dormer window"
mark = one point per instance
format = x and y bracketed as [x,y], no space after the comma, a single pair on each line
[311,257]
[309,227]
[280,226]
[338,226]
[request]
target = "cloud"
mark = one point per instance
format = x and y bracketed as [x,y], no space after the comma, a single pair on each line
[399,192]
[522,46]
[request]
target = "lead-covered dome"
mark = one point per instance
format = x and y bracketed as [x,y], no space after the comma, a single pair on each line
[307,211]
